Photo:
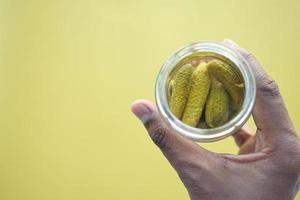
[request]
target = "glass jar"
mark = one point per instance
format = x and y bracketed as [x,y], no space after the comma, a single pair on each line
[187,54]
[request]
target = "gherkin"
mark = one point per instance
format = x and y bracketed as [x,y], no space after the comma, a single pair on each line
[230,80]
[217,105]
[200,84]
[180,89]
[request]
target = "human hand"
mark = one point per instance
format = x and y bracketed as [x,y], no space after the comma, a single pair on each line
[268,164]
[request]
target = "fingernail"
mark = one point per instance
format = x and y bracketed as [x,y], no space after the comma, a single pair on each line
[141,111]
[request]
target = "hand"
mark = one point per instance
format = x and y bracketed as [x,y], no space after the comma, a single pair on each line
[268,164]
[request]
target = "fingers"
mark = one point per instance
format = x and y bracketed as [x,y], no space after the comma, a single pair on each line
[177,149]
[245,139]
[248,146]
[263,80]
[243,135]
[270,114]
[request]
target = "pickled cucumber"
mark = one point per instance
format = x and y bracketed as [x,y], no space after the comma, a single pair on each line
[230,80]
[200,83]
[217,105]
[180,89]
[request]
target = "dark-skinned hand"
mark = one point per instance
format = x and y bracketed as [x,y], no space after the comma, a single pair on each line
[267,166]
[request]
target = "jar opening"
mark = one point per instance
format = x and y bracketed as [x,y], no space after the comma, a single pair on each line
[194,54]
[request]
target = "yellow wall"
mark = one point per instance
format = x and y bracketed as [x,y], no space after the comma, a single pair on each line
[70,69]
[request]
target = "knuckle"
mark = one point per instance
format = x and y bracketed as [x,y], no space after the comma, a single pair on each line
[270,88]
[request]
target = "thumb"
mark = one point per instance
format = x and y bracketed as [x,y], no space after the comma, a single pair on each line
[147,114]
[177,149]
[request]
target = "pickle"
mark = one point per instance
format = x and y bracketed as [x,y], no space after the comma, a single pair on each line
[230,80]
[217,105]
[200,83]
[181,85]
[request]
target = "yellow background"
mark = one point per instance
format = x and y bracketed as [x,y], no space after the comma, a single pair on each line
[70,69]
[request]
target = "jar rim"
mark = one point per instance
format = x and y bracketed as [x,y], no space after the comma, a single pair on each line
[212,134]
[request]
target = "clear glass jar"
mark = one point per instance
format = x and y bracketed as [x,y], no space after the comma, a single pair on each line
[188,53]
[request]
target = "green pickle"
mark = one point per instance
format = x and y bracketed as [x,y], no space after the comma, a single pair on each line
[200,83]
[181,89]
[217,105]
